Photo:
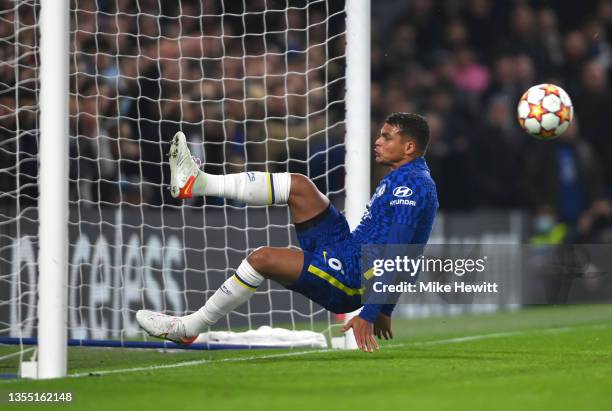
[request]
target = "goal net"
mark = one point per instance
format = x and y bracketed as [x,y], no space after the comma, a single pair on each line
[255,85]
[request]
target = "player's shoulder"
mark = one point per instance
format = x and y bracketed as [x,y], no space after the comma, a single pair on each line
[414,179]
[409,187]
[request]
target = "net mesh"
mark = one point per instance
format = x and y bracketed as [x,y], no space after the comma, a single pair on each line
[255,85]
[18,172]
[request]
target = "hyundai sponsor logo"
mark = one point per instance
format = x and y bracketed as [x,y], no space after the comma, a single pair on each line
[402,201]
[402,191]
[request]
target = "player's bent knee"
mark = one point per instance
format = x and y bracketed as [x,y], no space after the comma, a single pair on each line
[260,259]
[300,185]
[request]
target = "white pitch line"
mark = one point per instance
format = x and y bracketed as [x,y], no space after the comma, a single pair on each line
[198,362]
[300,353]
[476,337]
[470,338]
[15,354]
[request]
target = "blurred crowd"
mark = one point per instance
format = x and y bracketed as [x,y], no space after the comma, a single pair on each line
[465,64]
[141,70]
[254,85]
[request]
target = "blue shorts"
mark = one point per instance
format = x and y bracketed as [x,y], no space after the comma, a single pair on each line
[330,275]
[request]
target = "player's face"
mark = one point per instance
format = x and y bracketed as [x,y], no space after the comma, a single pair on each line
[391,149]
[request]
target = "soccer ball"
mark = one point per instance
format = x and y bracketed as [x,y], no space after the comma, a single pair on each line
[545,111]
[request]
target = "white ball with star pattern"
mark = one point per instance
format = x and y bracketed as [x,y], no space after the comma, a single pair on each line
[545,111]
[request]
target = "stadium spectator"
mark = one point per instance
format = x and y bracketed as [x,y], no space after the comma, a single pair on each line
[594,104]
[564,176]
[500,152]
[595,224]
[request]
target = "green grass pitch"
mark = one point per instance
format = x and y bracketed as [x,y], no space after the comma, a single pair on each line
[533,359]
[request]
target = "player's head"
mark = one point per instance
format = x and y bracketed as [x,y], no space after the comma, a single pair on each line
[403,137]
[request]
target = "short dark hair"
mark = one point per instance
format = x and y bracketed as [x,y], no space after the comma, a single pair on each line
[413,126]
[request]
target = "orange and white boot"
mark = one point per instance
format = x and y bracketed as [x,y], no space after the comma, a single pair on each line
[166,327]
[183,168]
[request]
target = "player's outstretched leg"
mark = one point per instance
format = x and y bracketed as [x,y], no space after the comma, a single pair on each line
[280,264]
[253,187]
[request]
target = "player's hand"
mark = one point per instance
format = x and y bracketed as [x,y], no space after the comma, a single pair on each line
[364,333]
[382,327]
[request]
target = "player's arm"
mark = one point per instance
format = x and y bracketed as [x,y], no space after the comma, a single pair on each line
[398,234]
[373,318]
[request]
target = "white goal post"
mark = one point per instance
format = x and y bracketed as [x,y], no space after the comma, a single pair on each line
[53,189]
[358,142]
[292,97]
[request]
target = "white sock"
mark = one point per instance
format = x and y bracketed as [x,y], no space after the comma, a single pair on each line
[235,291]
[253,187]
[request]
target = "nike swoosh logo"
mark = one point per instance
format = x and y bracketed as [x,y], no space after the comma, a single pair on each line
[186,190]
